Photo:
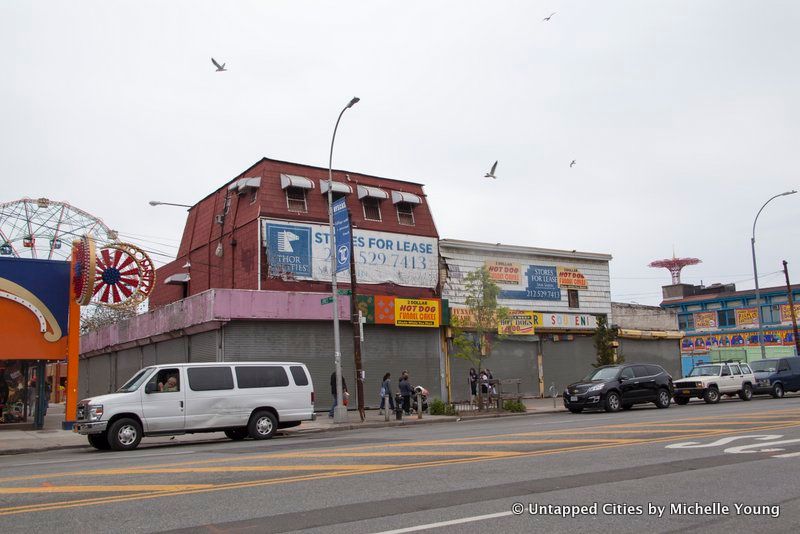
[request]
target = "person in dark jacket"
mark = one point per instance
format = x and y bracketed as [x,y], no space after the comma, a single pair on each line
[386,390]
[333,391]
[406,390]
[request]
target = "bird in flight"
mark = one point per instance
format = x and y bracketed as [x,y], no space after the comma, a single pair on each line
[220,68]
[572,163]
[547,19]
[490,174]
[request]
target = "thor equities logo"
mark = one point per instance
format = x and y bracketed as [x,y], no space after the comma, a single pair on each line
[289,249]
[285,239]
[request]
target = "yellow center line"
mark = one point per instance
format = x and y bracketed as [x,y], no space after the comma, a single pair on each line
[243,469]
[104,489]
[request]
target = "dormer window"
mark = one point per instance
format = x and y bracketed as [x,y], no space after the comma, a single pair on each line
[404,203]
[371,198]
[339,190]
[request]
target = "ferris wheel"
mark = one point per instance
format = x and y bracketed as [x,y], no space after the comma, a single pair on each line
[44,229]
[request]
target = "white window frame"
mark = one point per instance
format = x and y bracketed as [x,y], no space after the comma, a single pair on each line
[364,208]
[410,212]
[305,200]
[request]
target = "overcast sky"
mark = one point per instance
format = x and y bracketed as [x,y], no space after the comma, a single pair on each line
[683,116]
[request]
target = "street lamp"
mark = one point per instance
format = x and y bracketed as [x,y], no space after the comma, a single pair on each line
[159,203]
[755,274]
[340,412]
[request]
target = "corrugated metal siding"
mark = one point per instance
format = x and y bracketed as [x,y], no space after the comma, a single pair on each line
[128,362]
[83,379]
[564,362]
[203,347]
[663,352]
[386,349]
[148,355]
[509,359]
[171,351]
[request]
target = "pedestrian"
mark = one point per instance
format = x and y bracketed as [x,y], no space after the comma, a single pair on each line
[484,378]
[406,391]
[48,389]
[31,393]
[334,390]
[473,385]
[386,391]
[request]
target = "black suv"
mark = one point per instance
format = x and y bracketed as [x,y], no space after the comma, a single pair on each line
[612,387]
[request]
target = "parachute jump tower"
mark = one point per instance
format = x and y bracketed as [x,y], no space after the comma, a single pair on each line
[675,265]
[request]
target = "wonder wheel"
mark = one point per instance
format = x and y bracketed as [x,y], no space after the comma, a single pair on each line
[124,276]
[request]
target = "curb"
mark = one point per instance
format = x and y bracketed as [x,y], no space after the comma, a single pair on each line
[303,432]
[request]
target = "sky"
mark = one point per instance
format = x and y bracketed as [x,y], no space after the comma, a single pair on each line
[683,117]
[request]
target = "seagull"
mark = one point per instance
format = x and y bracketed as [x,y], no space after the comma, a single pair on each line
[490,174]
[572,163]
[220,68]
[547,19]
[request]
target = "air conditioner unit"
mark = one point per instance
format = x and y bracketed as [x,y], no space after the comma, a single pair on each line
[219,219]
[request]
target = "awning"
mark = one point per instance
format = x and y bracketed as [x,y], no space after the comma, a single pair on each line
[290,180]
[338,187]
[243,183]
[178,278]
[398,197]
[374,192]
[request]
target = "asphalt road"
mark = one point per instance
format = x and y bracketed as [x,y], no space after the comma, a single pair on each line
[712,468]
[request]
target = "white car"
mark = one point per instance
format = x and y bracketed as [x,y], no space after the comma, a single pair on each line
[710,381]
[240,398]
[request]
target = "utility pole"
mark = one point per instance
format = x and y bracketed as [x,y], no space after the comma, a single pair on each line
[791,308]
[356,321]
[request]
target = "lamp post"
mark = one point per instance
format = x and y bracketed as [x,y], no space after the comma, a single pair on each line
[340,412]
[159,203]
[755,274]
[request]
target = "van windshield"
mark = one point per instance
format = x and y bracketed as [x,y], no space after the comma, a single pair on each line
[769,366]
[137,380]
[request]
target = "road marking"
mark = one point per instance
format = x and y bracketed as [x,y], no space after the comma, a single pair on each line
[104,489]
[101,457]
[243,469]
[721,441]
[446,523]
[789,455]
[760,447]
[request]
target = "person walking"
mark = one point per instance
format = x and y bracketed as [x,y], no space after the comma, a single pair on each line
[334,390]
[406,390]
[473,385]
[386,391]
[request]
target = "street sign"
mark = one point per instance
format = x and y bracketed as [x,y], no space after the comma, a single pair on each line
[341,226]
[344,291]
[326,300]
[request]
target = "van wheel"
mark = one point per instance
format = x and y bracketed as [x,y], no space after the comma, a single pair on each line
[681,401]
[125,434]
[99,441]
[711,396]
[777,391]
[663,399]
[236,434]
[746,393]
[612,401]
[262,425]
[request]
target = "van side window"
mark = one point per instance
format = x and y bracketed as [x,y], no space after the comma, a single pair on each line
[735,369]
[745,368]
[261,376]
[210,378]
[726,371]
[166,381]
[783,366]
[654,370]
[641,371]
[627,373]
[299,375]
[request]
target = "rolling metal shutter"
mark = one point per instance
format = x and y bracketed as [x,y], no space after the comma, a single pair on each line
[129,361]
[510,358]
[83,379]
[565,362]
[663,352]
[99,375]
[203,347]
[171,351]
[148,355]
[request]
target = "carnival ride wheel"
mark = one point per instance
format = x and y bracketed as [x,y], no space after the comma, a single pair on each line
[44,229]
[124,277]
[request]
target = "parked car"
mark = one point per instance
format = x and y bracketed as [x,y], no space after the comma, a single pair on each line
[776,376]
[612,387]
[711,381]
[240,398]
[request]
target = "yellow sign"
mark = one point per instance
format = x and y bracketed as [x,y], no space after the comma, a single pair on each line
[520,323]
[571,278]
[786,313]
[705,320]
[503,272]
[417,312]
[746,316]
[462,316]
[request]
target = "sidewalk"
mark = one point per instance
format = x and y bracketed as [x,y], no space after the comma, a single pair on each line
[20,439]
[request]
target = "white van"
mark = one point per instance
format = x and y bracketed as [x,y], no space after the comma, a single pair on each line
[240,398]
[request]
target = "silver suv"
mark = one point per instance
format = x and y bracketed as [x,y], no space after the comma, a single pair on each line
[710,381]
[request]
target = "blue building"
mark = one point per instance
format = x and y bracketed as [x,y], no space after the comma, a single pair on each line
[720,323]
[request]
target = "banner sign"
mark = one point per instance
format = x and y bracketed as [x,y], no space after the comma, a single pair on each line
[569,320]
[520,323]
[571,278]
[341,228]
[746,316]
[705,320]
[786,313]
[304,251]
[504,272]
[462,316]
[542,285]
[417,312]
[696,344]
